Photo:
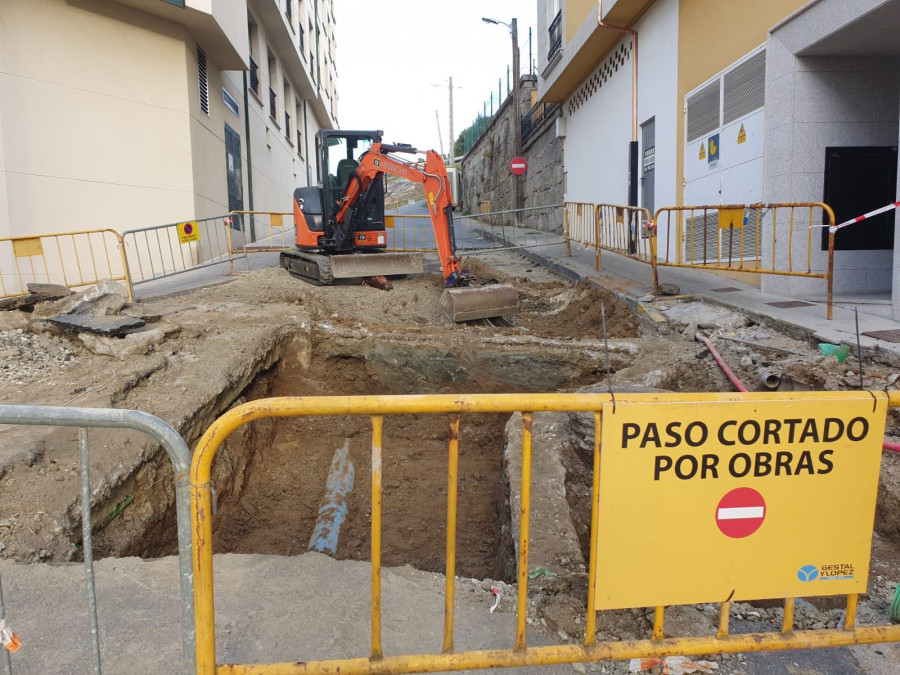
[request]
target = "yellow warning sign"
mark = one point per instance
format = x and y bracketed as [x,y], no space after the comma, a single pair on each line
[23,248]
[742,136]
[188,232]
[702,151]
[731,219]
[620,215]
[276,220]
[720,497]
[388,222]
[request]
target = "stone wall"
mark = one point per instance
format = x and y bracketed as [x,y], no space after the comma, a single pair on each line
[485,168]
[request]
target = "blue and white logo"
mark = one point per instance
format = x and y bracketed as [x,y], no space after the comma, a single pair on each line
[808,573]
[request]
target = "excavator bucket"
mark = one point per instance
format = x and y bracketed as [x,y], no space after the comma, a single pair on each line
[375,265]
[480,302]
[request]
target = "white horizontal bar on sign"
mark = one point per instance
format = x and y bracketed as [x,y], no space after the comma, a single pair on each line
[859,219]
[739,512]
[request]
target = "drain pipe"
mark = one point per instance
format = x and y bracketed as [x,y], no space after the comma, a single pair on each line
[724,366]
[333,512]
[633,146]
[886,445]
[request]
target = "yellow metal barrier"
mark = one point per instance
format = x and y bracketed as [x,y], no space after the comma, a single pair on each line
[78,258]
[746,238]
[409,232]
[376,407]
[265,231]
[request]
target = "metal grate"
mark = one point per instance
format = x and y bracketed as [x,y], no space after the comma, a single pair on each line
[705,243]
[703,111]
[790,304]
[744,88]
[701,238]
[203,79]
[886,335]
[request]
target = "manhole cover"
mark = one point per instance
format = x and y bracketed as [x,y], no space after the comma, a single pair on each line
[791,304]
[886,335]
[727,289]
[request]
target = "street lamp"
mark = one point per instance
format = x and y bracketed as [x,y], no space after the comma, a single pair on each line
[517,122]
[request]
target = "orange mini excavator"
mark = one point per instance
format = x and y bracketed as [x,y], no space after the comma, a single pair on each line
[341,226]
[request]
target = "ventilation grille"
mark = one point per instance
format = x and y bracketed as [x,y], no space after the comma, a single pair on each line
[600,76]
[745,88]
[203,80]
[706,244]
[703,112]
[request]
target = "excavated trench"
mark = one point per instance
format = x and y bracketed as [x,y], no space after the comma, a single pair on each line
[270,475]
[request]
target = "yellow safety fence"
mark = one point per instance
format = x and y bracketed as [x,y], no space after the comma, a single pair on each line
[618,421]
[265,231]
[778,239]
[409,232]
[625,230]
[73,259]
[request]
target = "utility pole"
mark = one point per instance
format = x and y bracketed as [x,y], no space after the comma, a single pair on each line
[452,139]
[517,122]
[437,118]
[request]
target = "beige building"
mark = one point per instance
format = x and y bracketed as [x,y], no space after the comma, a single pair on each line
[133,113]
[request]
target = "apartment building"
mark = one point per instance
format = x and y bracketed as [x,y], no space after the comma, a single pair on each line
[736,102]
[132,113]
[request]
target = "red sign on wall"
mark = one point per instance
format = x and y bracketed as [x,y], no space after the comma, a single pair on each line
[518,165]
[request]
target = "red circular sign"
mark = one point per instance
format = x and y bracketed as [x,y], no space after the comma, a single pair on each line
[188,228]
[741,512]
[518,165]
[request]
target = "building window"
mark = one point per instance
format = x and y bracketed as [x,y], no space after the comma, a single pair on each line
[273,97]
[254,76]
[298,115]
[230,102]
[287,115]
[555,36]
[300,45]
[289,12]
[203,78]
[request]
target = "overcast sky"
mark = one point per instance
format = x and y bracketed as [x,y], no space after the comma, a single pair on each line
[394,58]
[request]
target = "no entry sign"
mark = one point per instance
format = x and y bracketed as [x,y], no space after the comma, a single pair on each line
[740,513]
[518,165]
[711,496]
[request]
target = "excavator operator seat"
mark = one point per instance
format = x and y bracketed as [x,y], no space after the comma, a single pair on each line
[344,169]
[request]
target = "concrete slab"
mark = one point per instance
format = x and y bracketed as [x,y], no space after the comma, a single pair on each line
[110,326]
[268,609]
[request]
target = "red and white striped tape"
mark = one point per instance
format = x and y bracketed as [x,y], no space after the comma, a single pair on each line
[859,219]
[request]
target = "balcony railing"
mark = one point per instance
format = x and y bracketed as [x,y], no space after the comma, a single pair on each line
[533,119]
[254,76]
[555,36]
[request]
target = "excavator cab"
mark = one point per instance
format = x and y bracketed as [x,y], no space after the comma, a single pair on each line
[341,152]
[338,153]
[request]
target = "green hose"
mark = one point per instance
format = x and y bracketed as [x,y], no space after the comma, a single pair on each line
[895,605]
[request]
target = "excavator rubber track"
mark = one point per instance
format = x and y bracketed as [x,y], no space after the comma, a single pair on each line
[323,269]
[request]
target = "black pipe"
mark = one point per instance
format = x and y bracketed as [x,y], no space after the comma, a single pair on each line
[249,157]
[632,193]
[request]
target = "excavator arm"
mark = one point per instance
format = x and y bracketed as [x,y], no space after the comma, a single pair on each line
[436,184]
